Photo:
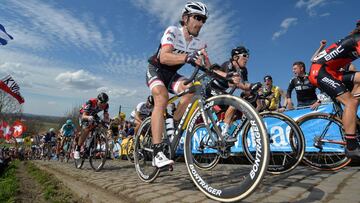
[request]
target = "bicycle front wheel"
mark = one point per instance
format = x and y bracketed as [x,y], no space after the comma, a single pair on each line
[98,151]
[287,145]
[226,182]
[325,141]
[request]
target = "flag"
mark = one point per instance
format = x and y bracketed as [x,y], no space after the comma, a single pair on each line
[11,87]
[5,130]
[19,128]
[4,36]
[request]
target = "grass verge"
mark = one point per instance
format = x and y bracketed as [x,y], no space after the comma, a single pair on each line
[53,189]
[9,183]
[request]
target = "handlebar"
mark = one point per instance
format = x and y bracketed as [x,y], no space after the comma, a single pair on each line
[208,71]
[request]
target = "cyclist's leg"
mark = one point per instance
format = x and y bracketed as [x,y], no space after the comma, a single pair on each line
[82,137]
[333,84]
[137,123]
[178,86]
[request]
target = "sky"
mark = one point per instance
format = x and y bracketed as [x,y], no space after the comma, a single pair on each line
[65,52]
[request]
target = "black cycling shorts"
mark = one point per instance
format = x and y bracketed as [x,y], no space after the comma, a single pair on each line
[332,86]
[160,76]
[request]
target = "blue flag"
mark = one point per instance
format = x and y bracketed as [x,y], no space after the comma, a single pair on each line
[4,36]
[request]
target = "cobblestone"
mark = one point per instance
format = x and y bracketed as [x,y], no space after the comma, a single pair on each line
[300,185]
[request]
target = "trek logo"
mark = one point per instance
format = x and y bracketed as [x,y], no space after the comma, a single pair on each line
[330,82]
[330,55]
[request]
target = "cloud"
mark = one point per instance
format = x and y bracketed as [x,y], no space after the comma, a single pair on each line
[284,27]
[218,31]
[80,79]
[116,92]
[56,24]
[324,14]
[310,5]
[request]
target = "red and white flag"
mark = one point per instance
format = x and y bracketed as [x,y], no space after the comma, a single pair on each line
[5,130]
[9,85]
[18,128]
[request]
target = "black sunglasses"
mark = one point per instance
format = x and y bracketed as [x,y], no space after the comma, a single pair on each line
[200,18]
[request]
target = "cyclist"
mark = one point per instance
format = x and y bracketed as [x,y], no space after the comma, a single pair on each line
[142,110]
[179,45]
[68,130]
[305,91]
[87,114]
[325,73]
[49,139]
[236,69]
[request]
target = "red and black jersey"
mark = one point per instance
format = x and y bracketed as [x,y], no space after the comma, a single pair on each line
[340,53]
[92,108]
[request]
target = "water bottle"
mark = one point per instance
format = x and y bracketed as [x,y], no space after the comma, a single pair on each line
[169,125]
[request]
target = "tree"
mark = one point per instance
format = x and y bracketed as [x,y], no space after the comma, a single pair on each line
[72,114]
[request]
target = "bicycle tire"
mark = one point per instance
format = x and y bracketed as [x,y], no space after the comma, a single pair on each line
[98,151]
[329,161]
[219,185]
[280,161]
[142,156]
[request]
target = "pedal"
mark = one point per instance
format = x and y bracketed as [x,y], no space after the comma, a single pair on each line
[167,168]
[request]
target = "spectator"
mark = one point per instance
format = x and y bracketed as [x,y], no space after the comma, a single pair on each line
[305,91]
[272,94]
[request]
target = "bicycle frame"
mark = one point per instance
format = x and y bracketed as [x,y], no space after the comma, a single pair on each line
[196,102]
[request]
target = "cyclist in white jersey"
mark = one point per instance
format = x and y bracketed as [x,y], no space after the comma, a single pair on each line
[142,110]
[179,45]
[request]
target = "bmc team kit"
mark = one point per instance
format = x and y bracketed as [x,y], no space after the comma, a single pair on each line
[96,146]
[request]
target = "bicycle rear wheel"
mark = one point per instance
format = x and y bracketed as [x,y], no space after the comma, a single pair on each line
[325,141]
[287,145]
[143,153]
[98,151]
[227,182]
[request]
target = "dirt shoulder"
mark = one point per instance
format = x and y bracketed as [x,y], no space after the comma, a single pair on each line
[86,192]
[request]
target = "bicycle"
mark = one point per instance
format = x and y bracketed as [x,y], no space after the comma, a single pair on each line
[287,143]
[67,149]
[216,184]
[326,151]
[96,146]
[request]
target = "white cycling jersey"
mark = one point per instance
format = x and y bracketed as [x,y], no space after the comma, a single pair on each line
[174,36]
[142,109]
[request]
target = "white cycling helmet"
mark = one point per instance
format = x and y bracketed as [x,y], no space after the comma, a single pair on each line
[195,8]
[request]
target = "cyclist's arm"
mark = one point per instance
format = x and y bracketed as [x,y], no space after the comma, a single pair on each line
[106,116]
[137,116]
[169,58]
[321,47]
[243,85]
[288,102]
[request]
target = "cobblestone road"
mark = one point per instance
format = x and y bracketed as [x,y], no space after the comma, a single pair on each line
[119,180]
